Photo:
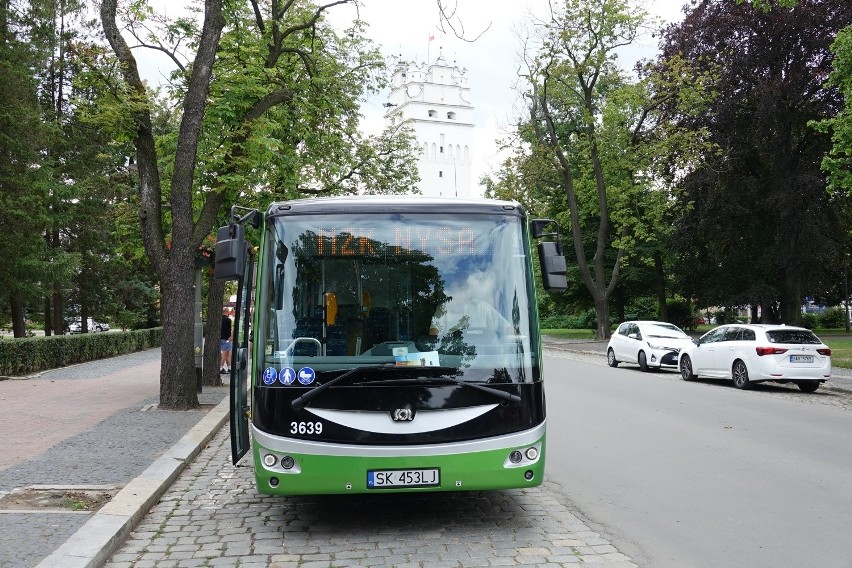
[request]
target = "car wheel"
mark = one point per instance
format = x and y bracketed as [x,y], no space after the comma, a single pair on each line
[610,358]
[808,386]
[686,369]
[740,375]
[643,362]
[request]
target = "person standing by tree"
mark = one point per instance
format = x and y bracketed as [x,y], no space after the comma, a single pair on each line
[225,344]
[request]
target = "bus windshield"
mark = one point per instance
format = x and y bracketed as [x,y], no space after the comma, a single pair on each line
[397,289]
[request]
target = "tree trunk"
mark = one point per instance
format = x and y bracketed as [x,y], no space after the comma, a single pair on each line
[791,301]
[16,306]
[177,366]
[602,312]
[58,315]
[48,317]
[215,298]
[662,306]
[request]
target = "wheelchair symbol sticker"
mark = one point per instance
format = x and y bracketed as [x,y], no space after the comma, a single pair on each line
[269,376]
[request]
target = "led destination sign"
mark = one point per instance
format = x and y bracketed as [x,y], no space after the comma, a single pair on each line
[394,241]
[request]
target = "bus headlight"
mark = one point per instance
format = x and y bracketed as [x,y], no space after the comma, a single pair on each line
[523,457]
[287,462]
[270,460]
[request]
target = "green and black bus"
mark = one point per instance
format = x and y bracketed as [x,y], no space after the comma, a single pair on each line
[388,344]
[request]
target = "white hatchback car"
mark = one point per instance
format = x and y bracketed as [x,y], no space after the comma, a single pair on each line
[753,353]
[648,343]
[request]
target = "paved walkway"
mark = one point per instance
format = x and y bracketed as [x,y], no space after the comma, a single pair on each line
[84,426]
[213,516]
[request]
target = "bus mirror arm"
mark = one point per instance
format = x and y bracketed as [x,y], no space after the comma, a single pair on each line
[252,216]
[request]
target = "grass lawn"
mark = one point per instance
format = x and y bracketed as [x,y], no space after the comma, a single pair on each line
[570,333]
[841,346]
[839,341]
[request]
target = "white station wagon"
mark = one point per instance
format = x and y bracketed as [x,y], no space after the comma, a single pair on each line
[753,353]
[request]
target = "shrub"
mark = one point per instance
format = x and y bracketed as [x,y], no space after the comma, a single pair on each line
[725,316]
[584,320]
[644,308]
[33,354]
[832,318]
[680,314]
[810,321]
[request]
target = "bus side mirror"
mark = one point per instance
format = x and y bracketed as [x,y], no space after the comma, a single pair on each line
[230,252]
[553,268]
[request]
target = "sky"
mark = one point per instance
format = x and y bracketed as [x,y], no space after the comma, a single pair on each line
[402,28]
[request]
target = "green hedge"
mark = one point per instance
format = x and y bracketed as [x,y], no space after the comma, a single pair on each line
[33,354]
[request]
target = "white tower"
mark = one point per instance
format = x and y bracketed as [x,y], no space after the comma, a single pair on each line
[433,100]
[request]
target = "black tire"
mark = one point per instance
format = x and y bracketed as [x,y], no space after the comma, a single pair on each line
[739,373]
[686,369]
[808,386]
[610,358]
[643,362]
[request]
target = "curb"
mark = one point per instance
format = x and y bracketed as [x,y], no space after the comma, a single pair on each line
[97,540]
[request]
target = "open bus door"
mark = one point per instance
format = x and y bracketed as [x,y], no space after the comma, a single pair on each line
[235,261]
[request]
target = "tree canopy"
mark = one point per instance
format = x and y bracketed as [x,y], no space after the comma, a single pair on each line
[752,211]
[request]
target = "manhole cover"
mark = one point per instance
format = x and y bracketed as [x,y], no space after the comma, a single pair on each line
[71,498]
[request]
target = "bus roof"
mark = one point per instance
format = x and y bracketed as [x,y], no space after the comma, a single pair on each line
[393,204]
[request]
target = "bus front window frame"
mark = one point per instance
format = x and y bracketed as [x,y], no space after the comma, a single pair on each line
[303,317]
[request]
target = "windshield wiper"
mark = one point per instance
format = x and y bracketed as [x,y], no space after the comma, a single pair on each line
[300,402]
[496,392]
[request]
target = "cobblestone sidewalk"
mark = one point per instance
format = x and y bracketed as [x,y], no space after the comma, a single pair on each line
[213,516]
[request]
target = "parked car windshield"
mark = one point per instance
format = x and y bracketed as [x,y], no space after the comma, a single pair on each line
[666,330]
[792,336]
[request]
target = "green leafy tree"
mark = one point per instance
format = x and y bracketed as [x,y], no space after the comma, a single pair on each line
[752,212]
[24,177]
[266,106]
[838,162]
[53,29]
[593,143]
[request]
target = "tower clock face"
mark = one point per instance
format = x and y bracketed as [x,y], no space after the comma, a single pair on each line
[413,90]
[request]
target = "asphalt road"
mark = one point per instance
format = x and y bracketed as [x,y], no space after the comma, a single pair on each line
[702,475]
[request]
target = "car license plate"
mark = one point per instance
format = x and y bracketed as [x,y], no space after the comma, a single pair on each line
[801,358]
[395,478]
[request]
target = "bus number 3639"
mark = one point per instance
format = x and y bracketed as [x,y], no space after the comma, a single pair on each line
[306,427]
